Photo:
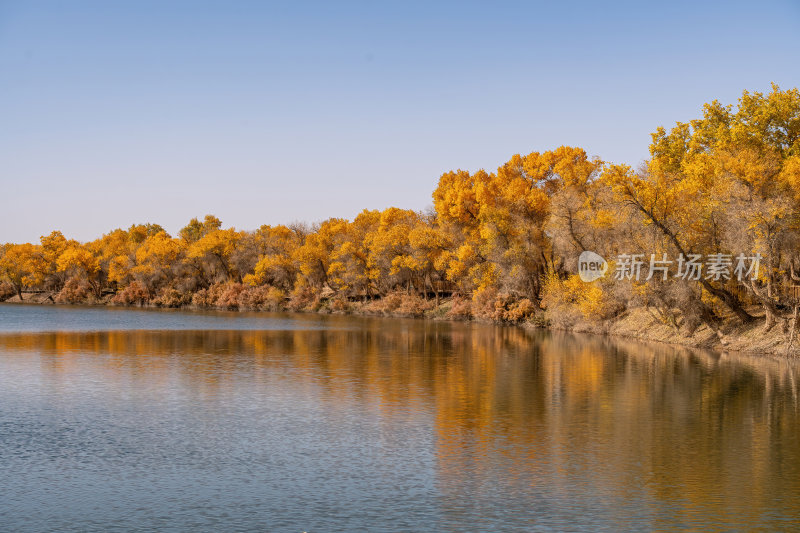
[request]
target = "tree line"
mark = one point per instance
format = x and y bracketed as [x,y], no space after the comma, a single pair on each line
[502,245]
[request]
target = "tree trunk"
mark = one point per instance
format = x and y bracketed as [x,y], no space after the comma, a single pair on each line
[727,298]
[771,311]
[769,319]
[95,288]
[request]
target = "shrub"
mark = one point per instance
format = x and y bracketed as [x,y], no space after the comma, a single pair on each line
[517,311]
[460,309]
[568,300]
[413,305]
[262,297]
[223,295]
[304,298]
[202,298]
[339,304]
[249,298]
[229,294]
[275,299]
[391,302]
[483,303]
[172,297]
[134,293]
[75,291]
[489,304]
[6,291]
[400,303]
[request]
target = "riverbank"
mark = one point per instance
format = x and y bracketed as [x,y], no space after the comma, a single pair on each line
[638,324]
[731,335]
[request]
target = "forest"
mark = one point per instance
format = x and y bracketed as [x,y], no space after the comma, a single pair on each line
[500,245]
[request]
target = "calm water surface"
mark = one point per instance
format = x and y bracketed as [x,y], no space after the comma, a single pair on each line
[122,420]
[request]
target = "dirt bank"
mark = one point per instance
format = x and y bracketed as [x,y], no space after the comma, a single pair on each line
[636,324]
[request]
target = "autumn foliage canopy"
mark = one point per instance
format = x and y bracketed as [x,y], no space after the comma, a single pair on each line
[500,245]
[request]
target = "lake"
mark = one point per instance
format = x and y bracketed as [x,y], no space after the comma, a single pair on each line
[118,420]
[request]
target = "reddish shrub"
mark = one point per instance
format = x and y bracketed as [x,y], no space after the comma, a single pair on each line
[262,297]
[75,291]
[460,309]
[213,296]
[487,304]
[229,295]
[304,298]
[400,303]
[135,293]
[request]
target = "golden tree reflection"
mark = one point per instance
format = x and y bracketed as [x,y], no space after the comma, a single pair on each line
[541,411]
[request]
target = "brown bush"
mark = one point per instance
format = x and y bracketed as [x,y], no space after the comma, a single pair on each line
[262,297]
[488,304]
[340,304]
[251,298]
[373,307]
[229,296]
[400,303]
[460,309]
[134,294]
[75,291]
[172,297]
[390,302]
[223,295]
[304,298]
[202,298]
[413,305]
[6,291]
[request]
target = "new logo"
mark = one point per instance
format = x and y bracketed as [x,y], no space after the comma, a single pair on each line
[591,266]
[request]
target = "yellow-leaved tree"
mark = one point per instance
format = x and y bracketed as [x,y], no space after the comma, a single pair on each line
[19,265]
[78,261]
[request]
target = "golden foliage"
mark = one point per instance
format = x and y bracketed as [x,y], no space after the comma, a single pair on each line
[500,244]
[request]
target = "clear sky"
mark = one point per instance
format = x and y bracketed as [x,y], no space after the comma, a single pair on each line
[113,113]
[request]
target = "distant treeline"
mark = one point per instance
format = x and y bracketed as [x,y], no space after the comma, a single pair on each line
[502,245]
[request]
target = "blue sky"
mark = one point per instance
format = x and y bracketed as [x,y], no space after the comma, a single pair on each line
[113,113]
